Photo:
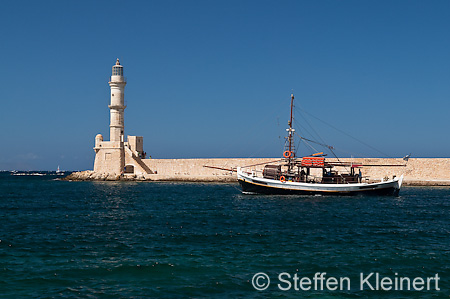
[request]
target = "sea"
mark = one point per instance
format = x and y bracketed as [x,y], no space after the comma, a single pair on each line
[62,239]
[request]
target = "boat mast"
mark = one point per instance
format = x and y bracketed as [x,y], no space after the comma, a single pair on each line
[291,136]
[290,124]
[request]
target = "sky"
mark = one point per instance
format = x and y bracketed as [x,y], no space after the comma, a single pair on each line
[212,79]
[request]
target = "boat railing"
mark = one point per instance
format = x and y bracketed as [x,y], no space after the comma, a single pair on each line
[342,178]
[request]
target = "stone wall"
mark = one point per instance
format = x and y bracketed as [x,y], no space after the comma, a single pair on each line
[195,170]
[109,157]
[419,171]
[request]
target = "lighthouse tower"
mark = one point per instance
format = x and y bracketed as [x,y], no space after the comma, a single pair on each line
[110,155]
[117,105]
[118,157]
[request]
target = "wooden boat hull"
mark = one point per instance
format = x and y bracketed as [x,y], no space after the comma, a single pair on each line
[253,184]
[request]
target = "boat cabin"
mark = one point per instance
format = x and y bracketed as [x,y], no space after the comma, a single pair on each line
[307,170]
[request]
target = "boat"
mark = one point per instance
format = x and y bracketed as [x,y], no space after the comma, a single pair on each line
[59,172]
[313,174]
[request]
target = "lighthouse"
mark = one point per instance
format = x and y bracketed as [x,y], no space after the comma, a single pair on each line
[118,157]
[110,155]
[117,104]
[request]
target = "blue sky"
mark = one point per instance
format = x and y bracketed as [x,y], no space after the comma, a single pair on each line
[213,78]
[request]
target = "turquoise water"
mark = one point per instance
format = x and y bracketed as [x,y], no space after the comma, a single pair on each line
[175,240]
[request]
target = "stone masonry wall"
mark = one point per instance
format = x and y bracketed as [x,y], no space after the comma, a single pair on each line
[419,171]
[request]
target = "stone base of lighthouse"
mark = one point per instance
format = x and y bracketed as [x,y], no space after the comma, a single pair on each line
[109,157]
[115,158]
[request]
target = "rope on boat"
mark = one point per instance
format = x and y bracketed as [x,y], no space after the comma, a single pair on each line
[348,135]
[246,166]
[279,160]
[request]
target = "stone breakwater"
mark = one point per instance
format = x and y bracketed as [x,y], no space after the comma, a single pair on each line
[418,171]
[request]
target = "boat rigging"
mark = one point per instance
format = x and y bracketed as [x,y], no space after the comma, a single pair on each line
[293,175]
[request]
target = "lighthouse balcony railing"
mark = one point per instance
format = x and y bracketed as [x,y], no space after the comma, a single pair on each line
[118,79]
